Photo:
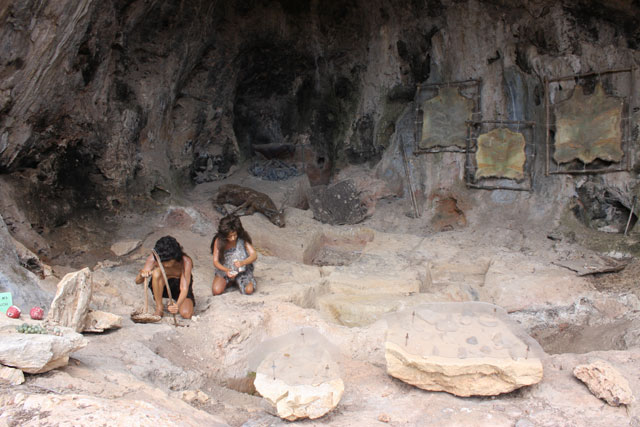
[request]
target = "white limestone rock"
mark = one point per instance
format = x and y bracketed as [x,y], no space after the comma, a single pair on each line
[11,376]
[70,306]
[605,382]
[301,380]
[99,321]
[466,349]
[38,353]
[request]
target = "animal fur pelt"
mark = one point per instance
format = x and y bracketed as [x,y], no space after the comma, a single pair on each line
[248,201]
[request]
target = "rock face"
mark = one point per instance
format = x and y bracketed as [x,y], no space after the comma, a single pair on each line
[300,379]
[92,90]
[71,303]
[605,382]
[16,219]
[35,353]
[14,278]
[467,349]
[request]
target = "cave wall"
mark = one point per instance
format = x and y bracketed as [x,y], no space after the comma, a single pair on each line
[101,102]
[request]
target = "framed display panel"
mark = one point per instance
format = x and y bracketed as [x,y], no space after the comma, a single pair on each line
[442,110]
[500,155]
[588,122]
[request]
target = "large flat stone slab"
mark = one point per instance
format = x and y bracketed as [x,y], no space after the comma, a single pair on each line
[467,349]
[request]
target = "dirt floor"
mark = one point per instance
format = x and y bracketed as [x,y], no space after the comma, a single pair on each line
[584,319]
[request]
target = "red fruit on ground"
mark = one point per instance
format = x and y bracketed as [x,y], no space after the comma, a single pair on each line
[13,312]
[36,313]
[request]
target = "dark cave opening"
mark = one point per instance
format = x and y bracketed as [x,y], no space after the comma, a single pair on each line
[603,210]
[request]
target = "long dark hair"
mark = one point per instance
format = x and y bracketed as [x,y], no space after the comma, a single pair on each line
[227,225]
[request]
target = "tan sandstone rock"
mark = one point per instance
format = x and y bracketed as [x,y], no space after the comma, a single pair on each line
[467,349]
[605,382]
[301,380]
[99,321]
[38,353]
[70,306]
[11,376]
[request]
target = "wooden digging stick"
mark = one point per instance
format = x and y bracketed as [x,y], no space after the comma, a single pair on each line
[166,282]
[633,205]
[144,293]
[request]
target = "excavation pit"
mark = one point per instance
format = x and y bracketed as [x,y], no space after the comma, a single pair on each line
[337,249]
[576,338]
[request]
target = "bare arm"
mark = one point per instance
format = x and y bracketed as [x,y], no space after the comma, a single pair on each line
[185,281]
[146,270]
[253,255]
[216,257]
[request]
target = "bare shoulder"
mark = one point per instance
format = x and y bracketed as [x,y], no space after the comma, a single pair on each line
[248,246]
[188,262]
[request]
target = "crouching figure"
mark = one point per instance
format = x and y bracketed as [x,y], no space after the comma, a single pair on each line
[177,266]
[233,257]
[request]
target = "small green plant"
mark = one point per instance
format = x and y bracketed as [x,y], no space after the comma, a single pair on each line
[26,328]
